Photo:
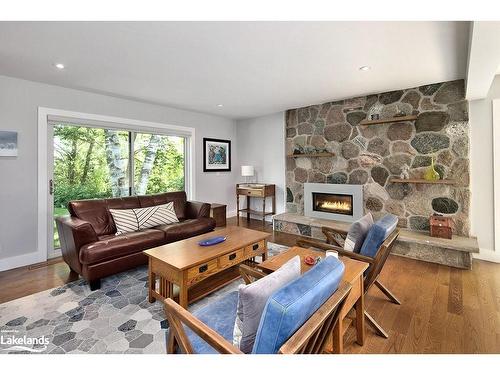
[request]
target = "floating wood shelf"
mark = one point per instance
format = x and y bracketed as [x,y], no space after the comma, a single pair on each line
[388,120]
[422,181]
[317,155]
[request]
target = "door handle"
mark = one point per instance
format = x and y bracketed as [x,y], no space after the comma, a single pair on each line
[51,187]
[232,256]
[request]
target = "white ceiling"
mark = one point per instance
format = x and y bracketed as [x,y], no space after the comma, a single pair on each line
[252,68]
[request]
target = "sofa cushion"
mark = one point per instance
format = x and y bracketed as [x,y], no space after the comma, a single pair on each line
[95,212]
[111,246]
[178,197]
[357,233]
[218,315]
[187,228]
[253,299]
[378,233]
[123,202]
[288,308]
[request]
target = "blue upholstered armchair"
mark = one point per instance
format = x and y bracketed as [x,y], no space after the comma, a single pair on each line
[296,319]
[374,251]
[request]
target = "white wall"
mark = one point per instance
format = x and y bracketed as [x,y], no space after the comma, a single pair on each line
[19,101]
[482,203]
[261,143]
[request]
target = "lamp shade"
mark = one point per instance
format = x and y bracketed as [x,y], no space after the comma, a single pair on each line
[247,170]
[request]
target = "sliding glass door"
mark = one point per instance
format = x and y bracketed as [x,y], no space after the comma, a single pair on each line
[92,162]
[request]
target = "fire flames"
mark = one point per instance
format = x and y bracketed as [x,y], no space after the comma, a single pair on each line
[336,205]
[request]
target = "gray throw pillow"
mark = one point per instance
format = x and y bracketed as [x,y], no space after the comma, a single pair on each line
[357,233]
[253,298]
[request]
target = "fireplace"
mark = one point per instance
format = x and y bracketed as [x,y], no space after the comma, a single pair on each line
[333,201]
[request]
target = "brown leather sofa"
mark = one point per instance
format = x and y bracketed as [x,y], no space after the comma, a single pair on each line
[91,247]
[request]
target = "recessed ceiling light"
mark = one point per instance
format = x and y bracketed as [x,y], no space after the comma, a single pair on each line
[59,66]
[220,105]
[364,68]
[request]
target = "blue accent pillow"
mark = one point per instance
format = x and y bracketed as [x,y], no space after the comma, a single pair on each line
[378,233]
[289,307]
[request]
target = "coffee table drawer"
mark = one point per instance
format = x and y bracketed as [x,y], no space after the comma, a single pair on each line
[202,271]
[255,249]
[231,258]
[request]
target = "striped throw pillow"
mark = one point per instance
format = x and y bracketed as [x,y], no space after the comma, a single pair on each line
[156,215]
[135,219]
[125,221]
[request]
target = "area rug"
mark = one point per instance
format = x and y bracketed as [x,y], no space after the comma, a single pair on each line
[114,319]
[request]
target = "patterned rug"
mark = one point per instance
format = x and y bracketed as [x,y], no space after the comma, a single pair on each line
[114,319]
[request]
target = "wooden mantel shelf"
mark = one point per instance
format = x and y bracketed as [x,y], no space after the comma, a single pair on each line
[388,120]
[311,155]
[422,181]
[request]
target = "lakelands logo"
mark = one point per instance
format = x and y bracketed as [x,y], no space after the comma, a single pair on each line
[9,341]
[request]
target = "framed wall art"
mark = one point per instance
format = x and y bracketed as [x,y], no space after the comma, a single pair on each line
[216,155]
[8,143]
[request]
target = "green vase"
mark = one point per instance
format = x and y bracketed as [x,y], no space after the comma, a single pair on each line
[431,174]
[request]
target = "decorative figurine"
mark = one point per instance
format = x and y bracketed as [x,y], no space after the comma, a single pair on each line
[399,112]
[375,110]
[405,172]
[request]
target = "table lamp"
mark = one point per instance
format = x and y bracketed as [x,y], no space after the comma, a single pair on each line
[247,171]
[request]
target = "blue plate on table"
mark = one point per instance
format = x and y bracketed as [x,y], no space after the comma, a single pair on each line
[212,241]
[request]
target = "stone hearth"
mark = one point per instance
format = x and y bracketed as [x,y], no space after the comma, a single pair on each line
[456,252]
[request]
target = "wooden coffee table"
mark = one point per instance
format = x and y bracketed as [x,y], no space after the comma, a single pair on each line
[199,270]
[353,274]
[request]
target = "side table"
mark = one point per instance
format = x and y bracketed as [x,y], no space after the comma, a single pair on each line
[256,190]
[218,213]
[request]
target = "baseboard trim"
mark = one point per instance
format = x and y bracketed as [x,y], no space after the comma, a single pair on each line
[20,261]
[269,219]
[488,255]
[48,262]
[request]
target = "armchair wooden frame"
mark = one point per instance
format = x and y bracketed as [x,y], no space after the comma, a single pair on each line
[376,264]
[310,338]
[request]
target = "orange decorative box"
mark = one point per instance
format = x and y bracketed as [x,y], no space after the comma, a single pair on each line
[441,226]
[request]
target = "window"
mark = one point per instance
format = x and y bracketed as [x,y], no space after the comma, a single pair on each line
[93,162]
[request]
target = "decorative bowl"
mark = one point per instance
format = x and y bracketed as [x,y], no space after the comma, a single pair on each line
[309,260]
[212,241]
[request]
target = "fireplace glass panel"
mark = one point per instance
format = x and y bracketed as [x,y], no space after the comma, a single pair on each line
[333,203]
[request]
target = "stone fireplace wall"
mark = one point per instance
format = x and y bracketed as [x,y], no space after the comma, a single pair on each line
[371,154]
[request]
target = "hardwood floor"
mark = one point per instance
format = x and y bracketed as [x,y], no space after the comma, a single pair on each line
[443,309]
[27,280]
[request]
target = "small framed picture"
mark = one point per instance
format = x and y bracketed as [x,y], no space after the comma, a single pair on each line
[8,143]
[216,155]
